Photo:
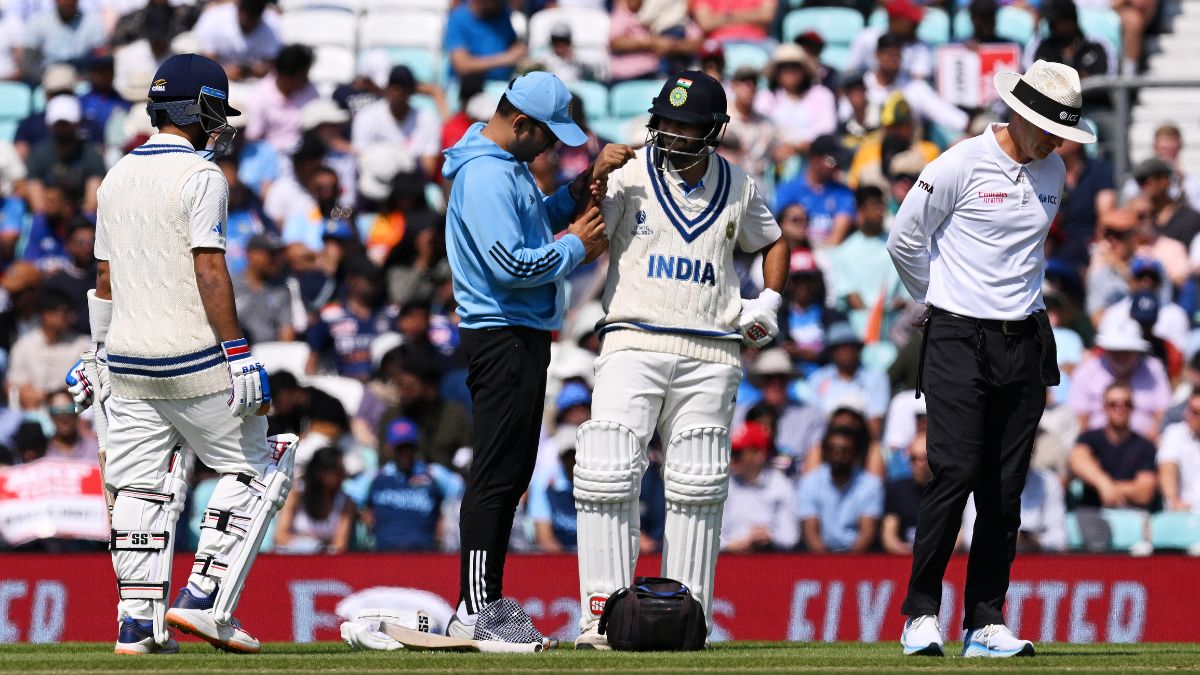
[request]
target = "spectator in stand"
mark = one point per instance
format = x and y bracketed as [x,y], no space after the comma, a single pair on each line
[263,300]
[68,442]
[562,59]
[22,285]
[845,379]
[1146,305]
[574,160]
[805,319]
[905,167]
[325,121]
[246,217]
[1168,142]
[903,18]
[345,329]
[135,25]
[839,504]
[101,100]
[1089,196]
[1115,463]
[828,203]
[1111,263]
[368,84]
[712,60]
[8,66]
[141,44]
[274,113]
[318,517]
[39,359]
[242,36]
[872,161]
[64,159]
[1173,216]
[813,44]
[404,505]
[61,34]
[394,123]
[735,20]
[75,272]
[304,233]
[1067,44]
[480,38]
[1179,459]
[798,428]
[751,139]
[551,504]
[412,391]
[862,276]
[1043,515]
[902,501]
[30,442]
[295,409]
[983,24]
[58,79]
[888,76]
[43,240]
[1137,18]
[412,323]
[854,111]
[760,512]
[1123,359]
[414,262]
[638,45]
[800,107]
[468,113]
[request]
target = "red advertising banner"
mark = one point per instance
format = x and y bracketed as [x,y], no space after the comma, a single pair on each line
[52,498]
[1082,599]
[964,75]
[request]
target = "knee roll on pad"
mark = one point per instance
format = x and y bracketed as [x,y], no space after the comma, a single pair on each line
[696,479]
[236,520]
[143,521]
[608,471]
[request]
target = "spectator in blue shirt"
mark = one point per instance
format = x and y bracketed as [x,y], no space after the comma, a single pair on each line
[101,101]
[404,504]
[839,504]
[480,38]
[551,498]
[846,381]
[345,330]
[830,204]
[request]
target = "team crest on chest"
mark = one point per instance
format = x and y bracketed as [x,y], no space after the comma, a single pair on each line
[729,230]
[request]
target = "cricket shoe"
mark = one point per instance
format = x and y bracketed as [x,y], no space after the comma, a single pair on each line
[922,636]
[137,638]
[591,638]
[500,621]
[995,640]
[194,616]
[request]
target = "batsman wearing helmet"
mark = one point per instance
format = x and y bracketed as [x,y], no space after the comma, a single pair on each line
[172,369]
[672,333]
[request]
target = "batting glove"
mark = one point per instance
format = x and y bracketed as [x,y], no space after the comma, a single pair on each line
[759,322]
[87,380]
[249,389]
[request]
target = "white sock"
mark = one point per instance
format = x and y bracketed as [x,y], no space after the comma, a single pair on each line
[463,616]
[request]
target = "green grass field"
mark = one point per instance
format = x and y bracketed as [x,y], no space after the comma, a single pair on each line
[734,657]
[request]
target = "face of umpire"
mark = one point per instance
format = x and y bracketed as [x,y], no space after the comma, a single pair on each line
[1031,141]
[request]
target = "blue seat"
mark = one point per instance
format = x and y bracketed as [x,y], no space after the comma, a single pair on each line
[632,98]
[594,97]
[1101,23]
[962,25]
[16,101]
[836,56]
[1128,527]
[1074,534]
[1015,24]
[1175,530]
[837,25]
[611,129]
[8,130]
[740,54]
[933,31]
[421,61]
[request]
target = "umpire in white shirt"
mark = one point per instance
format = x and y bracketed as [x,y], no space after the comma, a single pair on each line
[967,241]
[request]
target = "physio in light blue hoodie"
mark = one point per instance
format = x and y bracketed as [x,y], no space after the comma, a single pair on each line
[507,267]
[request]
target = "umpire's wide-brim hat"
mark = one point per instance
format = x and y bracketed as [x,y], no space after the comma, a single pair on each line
[1049,96]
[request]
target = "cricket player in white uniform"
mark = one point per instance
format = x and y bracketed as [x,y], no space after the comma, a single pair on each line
[178,372]
[672,335]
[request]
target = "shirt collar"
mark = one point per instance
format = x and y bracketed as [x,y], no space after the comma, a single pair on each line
[1008,166]
[169,139]
[690,190]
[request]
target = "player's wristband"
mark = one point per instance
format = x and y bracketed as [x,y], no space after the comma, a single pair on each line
[236,350]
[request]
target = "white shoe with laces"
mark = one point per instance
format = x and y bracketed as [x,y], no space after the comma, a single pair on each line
[922,636]
[591,638]
[995,641]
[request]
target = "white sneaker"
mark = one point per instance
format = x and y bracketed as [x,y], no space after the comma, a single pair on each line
[230,637]
[458,629]
[995,640]
[922,636]
[591,638]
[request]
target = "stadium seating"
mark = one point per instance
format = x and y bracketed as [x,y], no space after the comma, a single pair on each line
[589,28]
[739,54]
[277,356]
[594,96]
[1011,22]
[16,101]
[837,25]
[333,66]
[1175,530]
[1101,23]
[421,61]
[611,129]
[392,28]
[934,29]
[347,391]
[319,27]
[287,6]
[1128,529]
[629,99]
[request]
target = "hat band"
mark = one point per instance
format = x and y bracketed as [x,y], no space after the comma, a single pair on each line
[1046,106]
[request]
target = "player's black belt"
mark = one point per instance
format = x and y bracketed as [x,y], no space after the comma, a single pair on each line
[1026,326]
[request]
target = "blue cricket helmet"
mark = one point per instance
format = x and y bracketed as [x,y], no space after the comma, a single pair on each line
[193,89]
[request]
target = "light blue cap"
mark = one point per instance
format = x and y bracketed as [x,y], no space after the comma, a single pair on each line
[545,98]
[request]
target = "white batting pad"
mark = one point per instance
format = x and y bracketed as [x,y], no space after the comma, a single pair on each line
[609,464]
[696,482]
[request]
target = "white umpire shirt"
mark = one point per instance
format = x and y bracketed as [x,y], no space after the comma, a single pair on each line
[969,236]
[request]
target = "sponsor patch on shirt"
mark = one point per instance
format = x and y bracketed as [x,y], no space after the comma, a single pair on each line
[992,197]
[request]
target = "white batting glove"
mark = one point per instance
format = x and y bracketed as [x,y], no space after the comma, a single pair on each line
[87,380]
[249,389]
[759,320]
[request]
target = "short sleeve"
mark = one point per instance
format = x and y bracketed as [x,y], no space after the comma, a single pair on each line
[455,35]
[758,228]
[100,248]
[806,498]
[539,501]
[205,198]
[872,506]
[1170,445]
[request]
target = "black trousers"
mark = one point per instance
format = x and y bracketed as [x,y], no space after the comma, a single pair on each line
[506,373]
[985,392]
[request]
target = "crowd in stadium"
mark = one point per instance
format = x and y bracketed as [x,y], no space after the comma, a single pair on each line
[336,247]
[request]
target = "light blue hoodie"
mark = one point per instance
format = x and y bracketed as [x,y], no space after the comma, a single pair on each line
[507,267]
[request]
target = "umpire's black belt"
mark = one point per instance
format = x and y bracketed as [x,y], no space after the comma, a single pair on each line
[1026,326]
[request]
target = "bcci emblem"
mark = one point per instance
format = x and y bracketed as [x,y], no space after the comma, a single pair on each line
[678,96]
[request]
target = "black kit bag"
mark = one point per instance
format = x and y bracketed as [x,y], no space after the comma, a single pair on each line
[654,614]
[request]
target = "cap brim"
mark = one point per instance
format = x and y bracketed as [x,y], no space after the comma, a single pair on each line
[1004,85]
[568,132]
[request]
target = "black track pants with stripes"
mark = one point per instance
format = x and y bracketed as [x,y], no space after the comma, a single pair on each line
[506,373]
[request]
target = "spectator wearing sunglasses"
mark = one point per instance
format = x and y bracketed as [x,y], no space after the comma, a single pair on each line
[1112,262]
[1115,463]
